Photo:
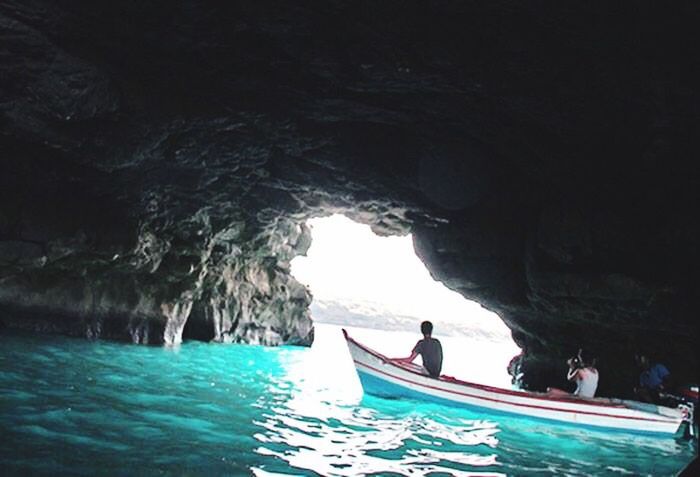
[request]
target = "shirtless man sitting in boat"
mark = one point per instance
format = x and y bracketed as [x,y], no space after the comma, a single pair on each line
[429,349]
[585,376]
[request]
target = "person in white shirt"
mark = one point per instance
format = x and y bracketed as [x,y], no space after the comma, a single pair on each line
[584,375]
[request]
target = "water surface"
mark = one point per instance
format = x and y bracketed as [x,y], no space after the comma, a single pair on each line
[80,407]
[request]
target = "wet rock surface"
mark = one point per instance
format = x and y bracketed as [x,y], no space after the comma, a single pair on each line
[159,161]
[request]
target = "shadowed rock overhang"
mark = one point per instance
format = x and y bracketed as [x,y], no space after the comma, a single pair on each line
[159,161]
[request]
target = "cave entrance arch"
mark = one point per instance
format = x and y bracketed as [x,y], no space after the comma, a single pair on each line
[380,287]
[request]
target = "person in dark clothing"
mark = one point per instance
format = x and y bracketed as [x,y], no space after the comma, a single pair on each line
[654,380]
[429,349]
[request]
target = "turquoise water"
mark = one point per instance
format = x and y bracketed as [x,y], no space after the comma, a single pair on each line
[70,406]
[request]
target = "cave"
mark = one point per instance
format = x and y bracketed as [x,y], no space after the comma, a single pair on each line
[159,162]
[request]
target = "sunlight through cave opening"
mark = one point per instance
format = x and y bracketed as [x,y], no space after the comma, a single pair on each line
[378,288]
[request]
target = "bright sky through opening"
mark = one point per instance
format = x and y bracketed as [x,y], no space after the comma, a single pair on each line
[347,262]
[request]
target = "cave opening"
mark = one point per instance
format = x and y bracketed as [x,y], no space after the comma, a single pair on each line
[380,290]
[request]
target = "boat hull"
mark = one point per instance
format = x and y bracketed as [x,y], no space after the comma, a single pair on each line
[381,377]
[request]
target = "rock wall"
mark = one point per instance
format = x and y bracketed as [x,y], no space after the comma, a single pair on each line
[158,162]
[227,284]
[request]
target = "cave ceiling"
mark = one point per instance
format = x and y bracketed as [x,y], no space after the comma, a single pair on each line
[159,160]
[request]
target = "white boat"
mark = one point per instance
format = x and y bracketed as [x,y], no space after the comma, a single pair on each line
[380,376]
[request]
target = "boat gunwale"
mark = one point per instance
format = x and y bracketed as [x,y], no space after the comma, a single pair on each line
[657,417]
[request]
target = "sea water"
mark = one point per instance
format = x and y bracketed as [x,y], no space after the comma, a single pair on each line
[71,406]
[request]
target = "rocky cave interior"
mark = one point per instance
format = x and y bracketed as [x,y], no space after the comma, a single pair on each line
[159,161]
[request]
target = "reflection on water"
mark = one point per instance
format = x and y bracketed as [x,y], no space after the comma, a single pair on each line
[320,425]
[360,440]
[76,407]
